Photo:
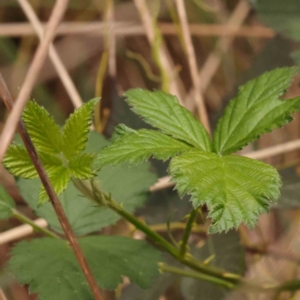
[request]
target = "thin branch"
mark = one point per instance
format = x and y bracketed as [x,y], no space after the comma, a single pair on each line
[5,94]
[31,76]
[191,57]
[212,63]
[133,29]
[57,62]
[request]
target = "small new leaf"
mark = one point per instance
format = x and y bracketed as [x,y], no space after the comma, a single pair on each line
[76,130]
[236,189]
[50,267]
[7,204]
[136,146]
[18,162]
[165,113]
[43,130]
[256,110]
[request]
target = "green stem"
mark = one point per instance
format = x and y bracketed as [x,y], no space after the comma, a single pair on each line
[93,192]
[36,227]
[164,268]
[187,232]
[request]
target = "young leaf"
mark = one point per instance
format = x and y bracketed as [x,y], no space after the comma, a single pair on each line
[256,110]
[165,113]
[132,190]
[7,204]
[76,130]
[236,189]
[43,130]
[136,146]
[18,162]
[50,268]
[59,177]
[80,166]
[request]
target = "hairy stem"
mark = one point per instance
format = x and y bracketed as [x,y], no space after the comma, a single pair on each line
[187,232]
[36,227]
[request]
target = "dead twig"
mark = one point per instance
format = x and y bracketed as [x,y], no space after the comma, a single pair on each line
[5,94]
[35,67]
[57,62]
[133,29]
[191,57]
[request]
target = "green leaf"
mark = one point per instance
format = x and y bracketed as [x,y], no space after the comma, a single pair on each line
[50,267]
[7,204]
[165,113]
[76,129]
[59,177]
[132,191]
[18,162]
[120,131]
[43,130]
[136,146]
[80,166]
[256,110]
[236,189]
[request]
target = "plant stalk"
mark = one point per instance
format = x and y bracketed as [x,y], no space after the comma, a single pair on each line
[26,220]
[187,232]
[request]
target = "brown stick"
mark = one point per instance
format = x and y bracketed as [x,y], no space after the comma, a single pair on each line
[9,103]
[35,67]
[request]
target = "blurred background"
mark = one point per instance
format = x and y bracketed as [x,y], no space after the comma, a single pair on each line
[198,50]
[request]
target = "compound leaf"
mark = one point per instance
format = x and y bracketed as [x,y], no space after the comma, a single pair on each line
[50,268]
[18,162]
[256,110]
[7,204]
[80,165]
[165,113]
[236,189]
[136,146]
[43,130]
[132,191]
[76,130]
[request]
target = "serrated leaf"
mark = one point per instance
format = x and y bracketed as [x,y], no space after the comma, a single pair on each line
[165,113]
[137,146]
[120,131]
[7,204]
[43,130]
[18,162]
[236,189]
[256,110]
[76,130]
[132,191]
[80,166]
[50,267]
[59,177]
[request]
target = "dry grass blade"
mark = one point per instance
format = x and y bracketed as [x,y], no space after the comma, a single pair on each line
[213,61]
[37,63]
[58,64]
[191,57]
